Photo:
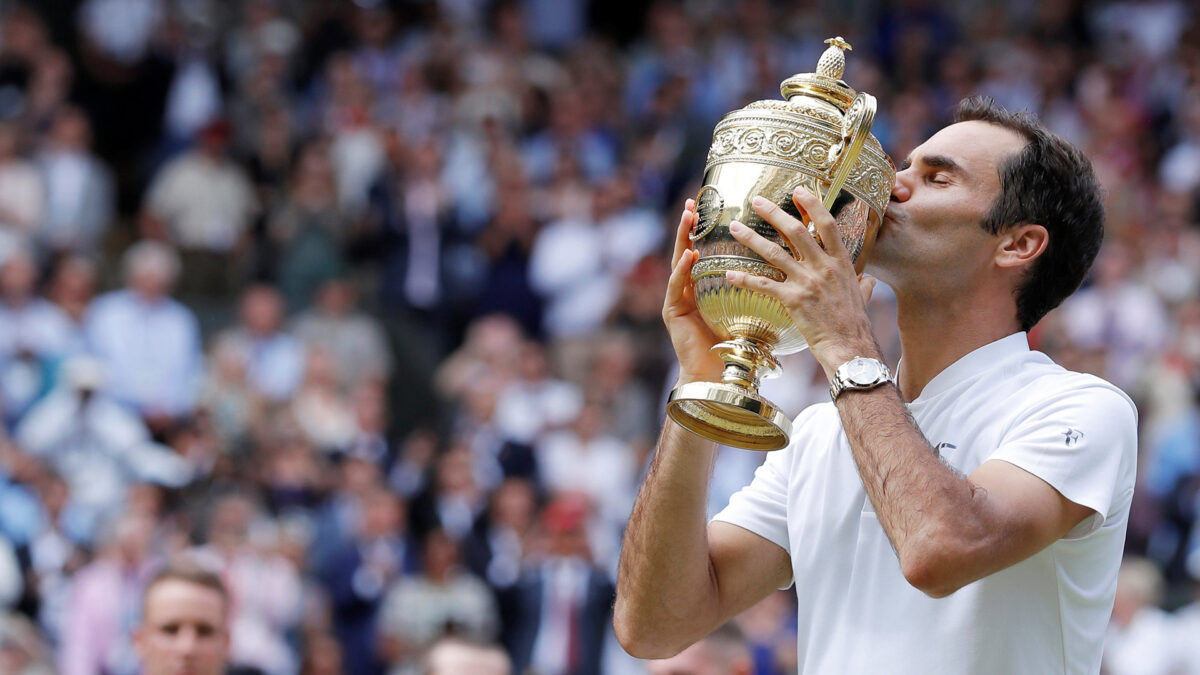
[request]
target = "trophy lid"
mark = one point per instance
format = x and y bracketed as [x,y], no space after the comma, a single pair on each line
[826,84]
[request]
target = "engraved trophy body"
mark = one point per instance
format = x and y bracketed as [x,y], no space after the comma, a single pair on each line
[819,138]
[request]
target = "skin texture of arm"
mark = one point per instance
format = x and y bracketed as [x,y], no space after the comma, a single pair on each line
[679,578]
[947,530]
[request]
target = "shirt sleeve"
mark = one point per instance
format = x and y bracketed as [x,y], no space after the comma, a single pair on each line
[761,506]
[1082,440]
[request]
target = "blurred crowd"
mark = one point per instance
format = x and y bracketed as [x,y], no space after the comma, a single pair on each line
[358,302]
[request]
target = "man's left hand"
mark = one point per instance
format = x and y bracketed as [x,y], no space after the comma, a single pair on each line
[821,292]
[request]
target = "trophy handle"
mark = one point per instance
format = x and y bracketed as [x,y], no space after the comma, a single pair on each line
[856,127]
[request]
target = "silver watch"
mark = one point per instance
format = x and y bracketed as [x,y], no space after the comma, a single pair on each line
[860,373]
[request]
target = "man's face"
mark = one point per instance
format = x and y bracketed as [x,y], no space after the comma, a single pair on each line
[184,630]
[931,238]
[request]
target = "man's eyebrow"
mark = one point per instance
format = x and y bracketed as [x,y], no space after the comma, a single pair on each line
[934,162]
[942,162]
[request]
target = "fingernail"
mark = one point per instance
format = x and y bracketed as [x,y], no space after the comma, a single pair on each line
[732,276]
[801,190]
[689,204]
[758,201]
[735,226]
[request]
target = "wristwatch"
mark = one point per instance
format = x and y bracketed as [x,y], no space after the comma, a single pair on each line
[860,373]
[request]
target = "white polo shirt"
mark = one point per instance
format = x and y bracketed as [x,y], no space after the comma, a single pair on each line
[1044,615]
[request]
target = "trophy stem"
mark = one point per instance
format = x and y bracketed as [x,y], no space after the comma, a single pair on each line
[732,411]
[747,362]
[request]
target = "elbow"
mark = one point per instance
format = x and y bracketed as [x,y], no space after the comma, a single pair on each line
[639,637]
[932,572]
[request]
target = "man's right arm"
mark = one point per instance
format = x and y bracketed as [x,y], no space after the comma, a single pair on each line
[679,579]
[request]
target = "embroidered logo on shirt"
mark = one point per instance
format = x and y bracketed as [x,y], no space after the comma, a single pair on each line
[1072,436]
[937,450]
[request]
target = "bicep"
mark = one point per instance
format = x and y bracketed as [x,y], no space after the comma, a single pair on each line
[746,567]
[1023,513]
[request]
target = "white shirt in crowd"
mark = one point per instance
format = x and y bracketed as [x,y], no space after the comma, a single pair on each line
[151,351]
[1047,614]
[206,204]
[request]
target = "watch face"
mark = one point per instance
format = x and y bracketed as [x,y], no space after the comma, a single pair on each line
[862,371]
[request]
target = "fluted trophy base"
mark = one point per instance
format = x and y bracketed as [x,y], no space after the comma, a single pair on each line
[729,414]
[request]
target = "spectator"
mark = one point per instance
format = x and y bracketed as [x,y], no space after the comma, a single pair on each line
[362,571]
[72,286]
[443,599]
[149,343]
[80,191]
[22,192]
[273,358]
[97,636]
[495,550]
[308,228]
[1140,639]
[34,336]
[356,340]
[185,622]
[264,586]
[557,616]
[97,445]
[202,202]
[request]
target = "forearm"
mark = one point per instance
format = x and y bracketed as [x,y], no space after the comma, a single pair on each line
[934,517]
[666,595]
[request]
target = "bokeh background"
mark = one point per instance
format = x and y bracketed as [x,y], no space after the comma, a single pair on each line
[359,301]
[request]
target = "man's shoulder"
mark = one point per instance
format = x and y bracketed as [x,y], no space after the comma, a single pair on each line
[1052,381]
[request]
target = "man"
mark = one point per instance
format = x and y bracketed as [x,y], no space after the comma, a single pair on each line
[722,652]
[967,516]
[150,344]
[185,622]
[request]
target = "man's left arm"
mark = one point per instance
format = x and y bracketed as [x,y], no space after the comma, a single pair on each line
[947,530]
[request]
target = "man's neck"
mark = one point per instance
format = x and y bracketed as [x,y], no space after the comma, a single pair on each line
[933,335]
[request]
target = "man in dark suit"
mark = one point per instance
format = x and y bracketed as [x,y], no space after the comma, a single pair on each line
[556,616]
[358,575]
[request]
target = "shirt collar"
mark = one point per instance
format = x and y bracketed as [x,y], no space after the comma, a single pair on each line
[981,360]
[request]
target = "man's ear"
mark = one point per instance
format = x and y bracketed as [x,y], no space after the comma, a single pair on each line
[1021,244]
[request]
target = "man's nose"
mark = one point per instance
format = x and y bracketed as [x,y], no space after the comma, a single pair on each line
[900,190]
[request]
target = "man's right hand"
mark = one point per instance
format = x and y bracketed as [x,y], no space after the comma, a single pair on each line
[690,336]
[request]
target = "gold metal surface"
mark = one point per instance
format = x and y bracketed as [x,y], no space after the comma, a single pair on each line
[818,138]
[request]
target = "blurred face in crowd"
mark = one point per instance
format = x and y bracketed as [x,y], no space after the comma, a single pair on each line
[454,474]
[335,298]
[9,142]
[262,310]
[18,277]
[184,630]
[514,504]
[74,281]
[441,554]
[131,538]
[71,131]
[151,278]
[230,524]
[383,514]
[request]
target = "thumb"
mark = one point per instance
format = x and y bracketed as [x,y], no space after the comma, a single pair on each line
[866,286]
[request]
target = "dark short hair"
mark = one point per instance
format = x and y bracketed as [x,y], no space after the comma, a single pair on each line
[1051,183]
[188,571]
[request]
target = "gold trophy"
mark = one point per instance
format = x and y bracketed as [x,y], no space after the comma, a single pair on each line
[820,138]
